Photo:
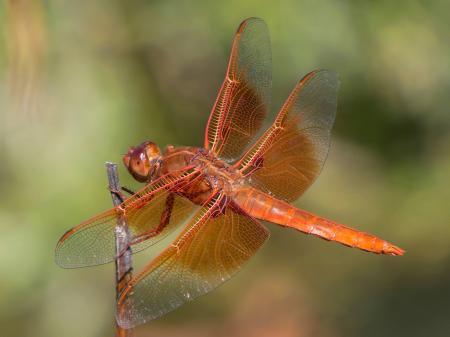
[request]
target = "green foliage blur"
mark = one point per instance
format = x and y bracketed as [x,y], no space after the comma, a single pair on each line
[80,81]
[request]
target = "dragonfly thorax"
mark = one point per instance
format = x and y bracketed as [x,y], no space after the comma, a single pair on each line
[218,173]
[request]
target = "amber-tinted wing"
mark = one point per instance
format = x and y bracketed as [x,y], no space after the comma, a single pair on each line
[289,156]
[210,250]
[93,241]
[244,98]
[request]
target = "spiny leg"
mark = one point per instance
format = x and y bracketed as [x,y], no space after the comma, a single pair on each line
[121,195]
[164,221]
[118,193]
[128,190]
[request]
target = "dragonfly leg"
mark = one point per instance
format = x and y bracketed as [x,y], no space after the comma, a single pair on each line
[128,190]
[163,222]
[118,194]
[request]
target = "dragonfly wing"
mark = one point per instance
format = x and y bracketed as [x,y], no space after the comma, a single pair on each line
[93,241]
[289,156]
[209,251]
[244,98]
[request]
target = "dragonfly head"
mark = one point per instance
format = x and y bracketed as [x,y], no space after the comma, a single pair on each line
[143,161]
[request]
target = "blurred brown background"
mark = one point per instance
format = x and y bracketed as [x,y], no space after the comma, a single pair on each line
[80,81]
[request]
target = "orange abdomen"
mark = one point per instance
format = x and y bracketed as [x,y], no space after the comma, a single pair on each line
[264,207]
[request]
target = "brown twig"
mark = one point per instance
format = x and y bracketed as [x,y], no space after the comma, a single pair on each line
[123,250]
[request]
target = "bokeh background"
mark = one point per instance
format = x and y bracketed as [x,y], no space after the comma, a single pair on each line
[80,81]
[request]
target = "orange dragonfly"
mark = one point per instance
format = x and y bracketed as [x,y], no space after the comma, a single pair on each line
[219,194]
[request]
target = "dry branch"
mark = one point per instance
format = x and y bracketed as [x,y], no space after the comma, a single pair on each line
[123,250]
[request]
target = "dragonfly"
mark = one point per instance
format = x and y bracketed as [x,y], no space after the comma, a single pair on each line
[218,196]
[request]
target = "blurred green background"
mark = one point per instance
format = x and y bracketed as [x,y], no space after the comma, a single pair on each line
[80,81]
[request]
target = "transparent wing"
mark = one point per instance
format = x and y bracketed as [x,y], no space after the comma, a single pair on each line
[151,214]
[209,251]
[289,156]
[244,98]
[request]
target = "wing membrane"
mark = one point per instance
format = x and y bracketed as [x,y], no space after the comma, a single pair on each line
[93,241]
[289,156]
[244,98]
[210,250]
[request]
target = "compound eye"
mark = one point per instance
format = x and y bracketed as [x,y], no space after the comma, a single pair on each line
[141,161]
[142,158]
[152,151]
[126,160]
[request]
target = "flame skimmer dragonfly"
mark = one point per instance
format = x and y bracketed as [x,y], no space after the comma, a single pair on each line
[219,194]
